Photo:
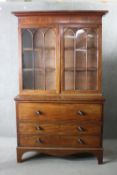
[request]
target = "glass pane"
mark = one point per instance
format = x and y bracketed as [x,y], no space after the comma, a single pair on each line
[27,38]
[50,58]
[27,59]
[92,62]
[50,38]
[38,39]
[69,61]
[80,58]
[92,58]
[80,39]
[39,59]
[81,44]
[69,80]
[50,80]
[38,49]
[91,38]
[50,62]
[39,80]
[81,80]
[39,64]
[92,80]
[92,48]
[69,38]
[81,55]
[28,79]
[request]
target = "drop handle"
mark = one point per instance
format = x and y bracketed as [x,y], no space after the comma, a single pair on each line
[38,127]
[81,129]
[38,113]
[81,141]
[81,113]
[39,141]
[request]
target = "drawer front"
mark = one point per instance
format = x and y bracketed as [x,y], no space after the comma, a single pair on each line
[52,112]
[59,141]
[37,128]
[65,128]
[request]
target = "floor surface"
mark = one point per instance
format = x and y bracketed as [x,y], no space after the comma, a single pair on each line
[47,165]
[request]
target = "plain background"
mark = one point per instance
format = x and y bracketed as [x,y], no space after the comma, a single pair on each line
[9,59]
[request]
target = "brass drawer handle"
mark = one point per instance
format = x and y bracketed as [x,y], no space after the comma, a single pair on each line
[38,127]
[81,141]
[38,113]
[39,141]
[81,113]
[81,129]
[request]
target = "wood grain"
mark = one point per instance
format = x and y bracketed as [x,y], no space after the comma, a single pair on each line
[60,128]
[27,111]
[61,122]
[59,141]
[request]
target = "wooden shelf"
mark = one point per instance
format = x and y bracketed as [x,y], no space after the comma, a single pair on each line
[38,49]
[27,49]
[80,69]
[80,49]
[48,69]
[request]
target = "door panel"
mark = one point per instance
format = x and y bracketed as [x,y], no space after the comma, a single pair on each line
[39,59]
[79,59]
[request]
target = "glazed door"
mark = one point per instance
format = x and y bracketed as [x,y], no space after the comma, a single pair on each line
[39,60]
[80,59]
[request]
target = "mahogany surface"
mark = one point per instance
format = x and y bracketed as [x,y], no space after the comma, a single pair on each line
[60,121]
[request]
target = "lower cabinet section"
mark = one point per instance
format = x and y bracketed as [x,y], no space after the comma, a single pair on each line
[60,141]
[59,128]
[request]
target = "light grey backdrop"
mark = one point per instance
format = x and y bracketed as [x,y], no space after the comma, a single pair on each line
[9,60]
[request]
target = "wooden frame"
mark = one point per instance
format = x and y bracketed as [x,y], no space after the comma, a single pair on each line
[99,76]
[58,21]
[22,91]
[81,110]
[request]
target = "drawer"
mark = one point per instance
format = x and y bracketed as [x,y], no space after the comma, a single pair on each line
[38,128]
[52,112]
[64,128]
[59,141]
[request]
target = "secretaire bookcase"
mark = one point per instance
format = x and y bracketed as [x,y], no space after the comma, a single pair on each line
[59,108]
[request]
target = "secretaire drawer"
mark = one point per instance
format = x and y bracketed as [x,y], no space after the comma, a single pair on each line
[46,111]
